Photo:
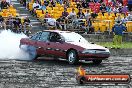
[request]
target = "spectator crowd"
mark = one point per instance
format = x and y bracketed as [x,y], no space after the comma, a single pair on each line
[87,15]
[9,18]
[71,11]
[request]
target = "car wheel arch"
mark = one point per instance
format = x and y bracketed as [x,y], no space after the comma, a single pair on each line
[70,50]
[72,59]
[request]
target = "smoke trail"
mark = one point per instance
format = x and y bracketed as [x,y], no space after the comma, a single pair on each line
[9,46]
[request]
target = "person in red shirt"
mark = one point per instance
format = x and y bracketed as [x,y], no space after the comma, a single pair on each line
[47,15]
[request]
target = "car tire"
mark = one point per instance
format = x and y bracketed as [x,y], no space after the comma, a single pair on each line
[97,62]
[72,57]
[31,50]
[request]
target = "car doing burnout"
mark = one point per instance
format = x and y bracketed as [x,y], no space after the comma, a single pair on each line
[63,44]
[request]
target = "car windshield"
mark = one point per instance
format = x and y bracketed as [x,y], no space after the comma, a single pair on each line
[73,37]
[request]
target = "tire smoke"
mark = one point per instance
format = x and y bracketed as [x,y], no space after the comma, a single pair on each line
[9,46]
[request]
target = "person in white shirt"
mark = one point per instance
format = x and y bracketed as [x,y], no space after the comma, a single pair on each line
[72,13]
[116,9]
[87,14]
[36,5]
[129,17]
[124,19]
[71,17]
[51,21]
[9,1]
[118,19]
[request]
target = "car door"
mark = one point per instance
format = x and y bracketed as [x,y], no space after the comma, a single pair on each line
[33,41]
[34,38]
[54,46]
[42,43]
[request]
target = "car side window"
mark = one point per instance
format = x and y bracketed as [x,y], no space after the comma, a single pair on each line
[44,36]
[54,37]
[36,36]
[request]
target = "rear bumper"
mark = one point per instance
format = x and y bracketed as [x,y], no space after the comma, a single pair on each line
[93,56]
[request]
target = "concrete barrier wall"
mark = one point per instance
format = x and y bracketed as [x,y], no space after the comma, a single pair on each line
[121,52]
[105,38]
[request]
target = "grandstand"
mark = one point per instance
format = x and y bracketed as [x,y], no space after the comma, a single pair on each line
[16,10]
[10,11]
[101,23]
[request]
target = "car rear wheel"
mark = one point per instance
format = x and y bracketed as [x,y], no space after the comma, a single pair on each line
[97,61]
[72,57]
[31,50]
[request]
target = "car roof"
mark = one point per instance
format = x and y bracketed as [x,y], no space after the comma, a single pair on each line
[58,31]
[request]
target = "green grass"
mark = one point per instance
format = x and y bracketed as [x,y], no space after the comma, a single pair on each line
[124,45]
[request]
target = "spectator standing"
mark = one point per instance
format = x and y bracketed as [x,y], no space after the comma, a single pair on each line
[61,23]
[43,7]
[17,24]
[94,15]
[72,13]
[118,33]
[120,9]
[109,8]
[64,19]
[87,14]
[36,5]
[80,14]
[130,5]
[26,25]
[129,17]
[24,3]
[118,19]
[58,21]
[124,10]
[116,10]
[65,13]
[90,27]
[1,21]
[124,20]
[27,21]
[9,23]
[4,4]
[66,3]
[72,16]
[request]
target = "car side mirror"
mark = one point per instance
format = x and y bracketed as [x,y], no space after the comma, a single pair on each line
[61,40]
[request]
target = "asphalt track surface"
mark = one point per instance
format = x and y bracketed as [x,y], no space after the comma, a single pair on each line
[45,73]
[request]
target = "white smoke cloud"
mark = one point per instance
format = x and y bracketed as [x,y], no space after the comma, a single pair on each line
[9,46]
